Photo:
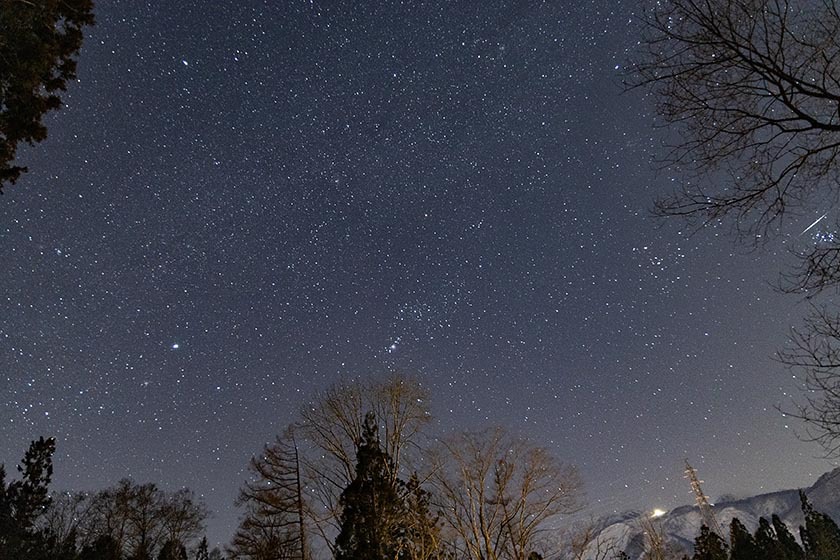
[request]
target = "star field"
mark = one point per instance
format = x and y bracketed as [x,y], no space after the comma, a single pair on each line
[242,203]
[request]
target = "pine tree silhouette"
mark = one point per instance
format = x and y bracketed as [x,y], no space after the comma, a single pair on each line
[820,535]
[372,510]
[788,547]
[743,545]
[38,44]
[765,541]
[22,501]
[709,546]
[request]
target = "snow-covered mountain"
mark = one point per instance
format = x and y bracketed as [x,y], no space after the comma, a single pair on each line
[680,526]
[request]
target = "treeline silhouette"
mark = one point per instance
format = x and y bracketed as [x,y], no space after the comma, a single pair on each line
[772,540]
[358,478]
[128,521]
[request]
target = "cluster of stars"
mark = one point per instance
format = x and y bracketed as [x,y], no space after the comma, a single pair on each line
[245,203]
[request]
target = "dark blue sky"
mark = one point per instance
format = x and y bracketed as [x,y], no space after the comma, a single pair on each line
[244,202]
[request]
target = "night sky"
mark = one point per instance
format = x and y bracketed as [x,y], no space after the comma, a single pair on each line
[244,202]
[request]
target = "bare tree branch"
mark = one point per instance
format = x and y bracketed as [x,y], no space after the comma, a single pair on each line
[752,87]
[496,492]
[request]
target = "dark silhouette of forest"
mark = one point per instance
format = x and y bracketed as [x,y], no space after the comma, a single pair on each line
[358,478]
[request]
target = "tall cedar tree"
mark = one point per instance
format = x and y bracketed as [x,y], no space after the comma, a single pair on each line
[820,535]
[103,548]
[709,546]
[742,544]
[765,541]
[371,506]
[173,550]
[22,501]
[788,547]
[39,40]
[202,552]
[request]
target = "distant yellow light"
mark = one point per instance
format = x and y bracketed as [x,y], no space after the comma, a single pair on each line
[658,512]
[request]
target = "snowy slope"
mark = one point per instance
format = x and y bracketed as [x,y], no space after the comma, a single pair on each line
[681,525]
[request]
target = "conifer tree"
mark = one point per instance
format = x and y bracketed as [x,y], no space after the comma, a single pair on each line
[372,510]
[743,545]
[39,40]
[103,548]
[202,551]
[29,496]
[172,550]
[23,501]
[789,549]
[709,546]
[765,541]
[820,535]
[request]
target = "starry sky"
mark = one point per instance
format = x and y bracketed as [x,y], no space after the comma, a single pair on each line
[245,201]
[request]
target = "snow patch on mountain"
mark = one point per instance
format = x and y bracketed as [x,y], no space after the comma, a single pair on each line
[681,525]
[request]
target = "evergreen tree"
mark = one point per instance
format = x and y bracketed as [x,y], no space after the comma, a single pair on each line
[820,535]
[23,501]
[202,552]
[709,546]
[743,546]
[38,42]
[765,541]
[372,510]
[789,549]
[29,496]
[8,529]
[173,550]
[103,548]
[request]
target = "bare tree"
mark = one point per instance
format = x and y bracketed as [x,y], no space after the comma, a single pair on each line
[146,532]
[297,481]
[260,539]
[141,518]
[585,542]
[182,515]
[276,510]
[110,508]
[68,518]
[657,544]
[331,430]
[753,90]
[333,422]
[752,86]
[496,492]
[816,350]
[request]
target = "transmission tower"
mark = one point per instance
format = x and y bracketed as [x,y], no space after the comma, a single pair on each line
[702,500]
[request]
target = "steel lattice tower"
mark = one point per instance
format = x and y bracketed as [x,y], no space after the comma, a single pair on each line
[702,500]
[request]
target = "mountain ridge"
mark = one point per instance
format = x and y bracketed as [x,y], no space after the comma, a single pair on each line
[681,525]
